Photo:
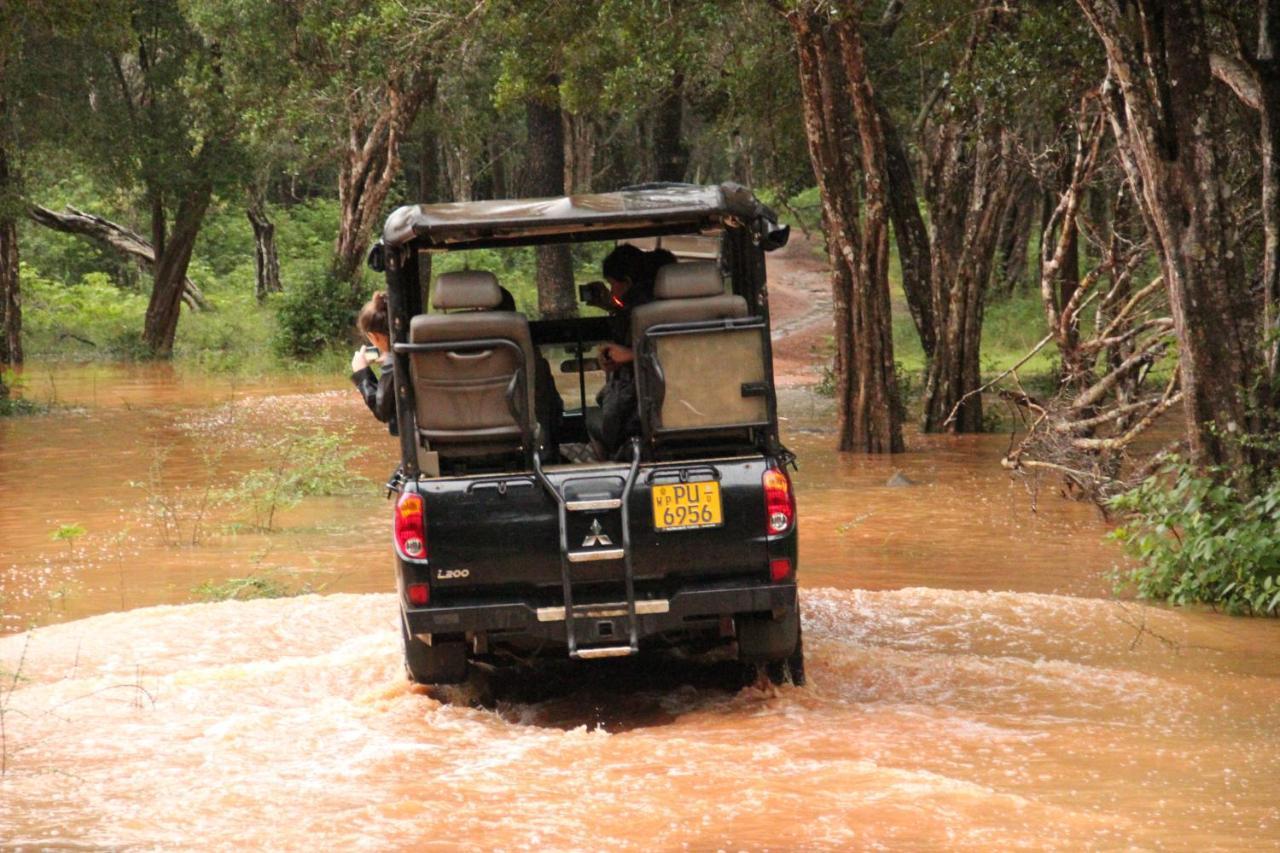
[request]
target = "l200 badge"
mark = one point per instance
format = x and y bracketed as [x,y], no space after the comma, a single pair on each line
[452,574]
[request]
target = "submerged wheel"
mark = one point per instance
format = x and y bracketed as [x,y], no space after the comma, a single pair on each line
[791,669]
[775,647]
[440,663]
[795,663]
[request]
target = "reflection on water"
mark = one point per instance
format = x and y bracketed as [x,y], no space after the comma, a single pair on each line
[970,683]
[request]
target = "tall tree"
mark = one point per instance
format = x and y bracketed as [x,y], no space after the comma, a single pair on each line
[266,261]
[946,265]
[831,63]
[149,110]
[355,78]
[1159,76]
[545,176]
[670,154]
[10,299]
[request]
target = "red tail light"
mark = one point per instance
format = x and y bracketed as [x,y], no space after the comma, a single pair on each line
[779,569]
[419,594]
[779,502]
[411,526]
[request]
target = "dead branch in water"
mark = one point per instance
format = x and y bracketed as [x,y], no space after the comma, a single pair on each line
[1085,432]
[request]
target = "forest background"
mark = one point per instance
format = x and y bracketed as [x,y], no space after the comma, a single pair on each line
[1066,212]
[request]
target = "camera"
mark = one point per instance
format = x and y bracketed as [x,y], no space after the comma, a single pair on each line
[596,294]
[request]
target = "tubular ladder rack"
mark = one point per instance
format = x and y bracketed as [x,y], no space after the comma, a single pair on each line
[568,557]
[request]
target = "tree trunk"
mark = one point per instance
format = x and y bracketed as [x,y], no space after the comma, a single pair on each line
[458,169]
[1158,67]
[1013,254]
[493,179]
[579,152]
[969,189]
[266,262]
[876,406]
[670,156]
[911,235]
[545,173]
[429,153]
[369,167]
[1267,66]
[112,236]
[10,296]
[161,323]
[868,413]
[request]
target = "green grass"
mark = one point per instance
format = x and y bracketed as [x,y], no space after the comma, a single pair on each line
[264,584]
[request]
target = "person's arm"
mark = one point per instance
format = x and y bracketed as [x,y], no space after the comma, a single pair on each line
[617,354]
[377,391]
[384,404]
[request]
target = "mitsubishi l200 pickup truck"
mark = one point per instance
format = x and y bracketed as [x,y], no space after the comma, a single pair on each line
[513,540]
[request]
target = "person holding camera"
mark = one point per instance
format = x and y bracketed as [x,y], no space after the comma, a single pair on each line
[377,389]
[630,272]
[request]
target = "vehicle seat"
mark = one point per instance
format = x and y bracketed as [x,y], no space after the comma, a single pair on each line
[707,376]
[473,401]
[686,293]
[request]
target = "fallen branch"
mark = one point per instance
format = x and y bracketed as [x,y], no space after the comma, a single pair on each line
[112,236]
[954,411]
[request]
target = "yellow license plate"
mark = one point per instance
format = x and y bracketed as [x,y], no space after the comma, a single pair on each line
[686,506]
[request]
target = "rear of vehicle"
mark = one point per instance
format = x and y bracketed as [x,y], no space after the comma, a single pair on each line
[505,549]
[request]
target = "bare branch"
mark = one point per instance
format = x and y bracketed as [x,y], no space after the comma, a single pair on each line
[1238,77]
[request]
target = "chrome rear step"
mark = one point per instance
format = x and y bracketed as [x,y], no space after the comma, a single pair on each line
[604,611]
[604,652]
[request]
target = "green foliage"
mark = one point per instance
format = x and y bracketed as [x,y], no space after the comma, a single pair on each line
[89,317]
[16,406]
[68,533]
[1210,537]
[11,406]
[259,585]
[313,314]
[302,465]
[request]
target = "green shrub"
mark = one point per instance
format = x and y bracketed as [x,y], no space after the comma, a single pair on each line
[314,313]
[11,405]
[303,465]
[88,317]
[1204,537]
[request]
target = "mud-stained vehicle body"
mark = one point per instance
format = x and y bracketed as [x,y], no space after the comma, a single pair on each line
[506,549]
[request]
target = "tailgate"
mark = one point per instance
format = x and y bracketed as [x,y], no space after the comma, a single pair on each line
[504,531]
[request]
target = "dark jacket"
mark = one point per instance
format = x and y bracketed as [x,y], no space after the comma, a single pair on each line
[379,393]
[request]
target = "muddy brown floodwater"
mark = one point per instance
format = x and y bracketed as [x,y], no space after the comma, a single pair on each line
[973,684]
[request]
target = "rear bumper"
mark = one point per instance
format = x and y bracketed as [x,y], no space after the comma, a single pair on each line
[685,609]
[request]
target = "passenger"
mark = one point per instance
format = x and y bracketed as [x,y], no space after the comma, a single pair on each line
[378,390]
[546,399]
[630,273]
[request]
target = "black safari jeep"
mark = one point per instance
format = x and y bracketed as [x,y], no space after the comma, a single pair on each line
[505,549]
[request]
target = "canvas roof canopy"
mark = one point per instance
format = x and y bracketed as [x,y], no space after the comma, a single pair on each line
[648,210]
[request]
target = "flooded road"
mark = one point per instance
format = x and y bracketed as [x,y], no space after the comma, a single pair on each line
[972,682]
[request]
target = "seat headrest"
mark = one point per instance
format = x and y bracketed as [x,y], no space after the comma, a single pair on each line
[466,289]
[688,280]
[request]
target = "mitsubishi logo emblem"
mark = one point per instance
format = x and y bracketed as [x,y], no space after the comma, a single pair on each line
[596,536]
